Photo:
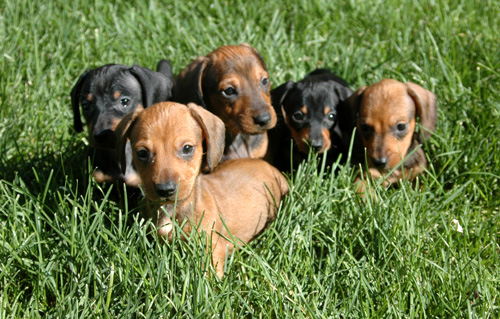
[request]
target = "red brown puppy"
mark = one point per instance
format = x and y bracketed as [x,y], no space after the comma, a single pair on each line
[237,198]
[385,115]
[233,83]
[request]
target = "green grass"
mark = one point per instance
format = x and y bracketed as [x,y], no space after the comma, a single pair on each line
[70,248]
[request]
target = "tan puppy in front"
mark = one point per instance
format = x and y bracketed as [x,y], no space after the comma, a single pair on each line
[168,141]
[233,83]
[385,115]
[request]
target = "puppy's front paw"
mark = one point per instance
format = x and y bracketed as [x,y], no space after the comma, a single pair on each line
[101,177]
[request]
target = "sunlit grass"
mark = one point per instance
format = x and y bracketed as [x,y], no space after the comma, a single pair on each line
[71,248]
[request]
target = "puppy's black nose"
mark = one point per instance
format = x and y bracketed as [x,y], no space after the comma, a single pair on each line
[166,189]
[379,162]
[262,119]
[317,145]
[104,137]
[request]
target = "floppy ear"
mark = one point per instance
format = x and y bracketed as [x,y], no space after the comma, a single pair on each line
[348,110]
[213,133]
[164,67]
[156,87]
[75,100]
[122,133]
[187,85]
[426,108]
[343,92]
[278,95]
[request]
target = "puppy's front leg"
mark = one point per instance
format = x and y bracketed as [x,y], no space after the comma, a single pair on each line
[219,248]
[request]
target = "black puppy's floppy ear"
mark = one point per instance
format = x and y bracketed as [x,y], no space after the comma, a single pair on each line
[165,68]
[187,85]
[348,110]
[343,92]
[122,133]
[156,87]
[426,108]
[213,133]
[278,95]
[75,100]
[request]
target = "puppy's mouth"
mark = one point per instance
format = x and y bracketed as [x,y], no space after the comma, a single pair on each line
[163,199]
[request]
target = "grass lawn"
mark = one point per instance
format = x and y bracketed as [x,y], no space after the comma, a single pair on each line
[70,248]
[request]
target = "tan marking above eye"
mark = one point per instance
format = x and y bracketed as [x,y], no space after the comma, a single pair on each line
[89,97]
[327,110]
[117,94]
[304,109]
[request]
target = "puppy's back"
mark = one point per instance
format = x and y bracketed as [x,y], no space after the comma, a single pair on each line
[248,192]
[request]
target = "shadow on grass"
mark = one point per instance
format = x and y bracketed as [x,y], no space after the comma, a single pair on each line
[49,176]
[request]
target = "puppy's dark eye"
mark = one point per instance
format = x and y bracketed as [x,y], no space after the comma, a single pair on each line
[401,127]
[365,129]
[298,116]
[331,116]
[229,92]
[125,102]
[85,105]
[187,149]
[143,154]
[265,82]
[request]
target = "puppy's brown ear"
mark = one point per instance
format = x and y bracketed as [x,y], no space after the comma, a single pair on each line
[75,100]
[213,134]
[425,102]
[187,85]
[122,133]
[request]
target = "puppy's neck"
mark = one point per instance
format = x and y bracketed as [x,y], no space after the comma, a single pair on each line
[241,145]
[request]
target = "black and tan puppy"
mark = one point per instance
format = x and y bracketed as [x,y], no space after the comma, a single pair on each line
[307,113]
[106,94]
[238,198]
[385,116]
[233,83]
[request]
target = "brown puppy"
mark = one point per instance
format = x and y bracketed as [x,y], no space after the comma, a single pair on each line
[233,83]
[238,198]
[385,115]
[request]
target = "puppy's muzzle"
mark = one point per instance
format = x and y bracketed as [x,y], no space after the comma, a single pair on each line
[317,145]
[262,119]
[104,138]
[166,190]
[379,163]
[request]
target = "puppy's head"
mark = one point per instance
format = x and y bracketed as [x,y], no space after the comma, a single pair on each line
[106,94]
[386,117]
[168,141]
[233,83]
[309,108]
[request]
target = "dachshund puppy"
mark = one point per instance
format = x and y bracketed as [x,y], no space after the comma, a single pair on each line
[106,94]
[307,113]
[233,83]
[170,142]
[385,116]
